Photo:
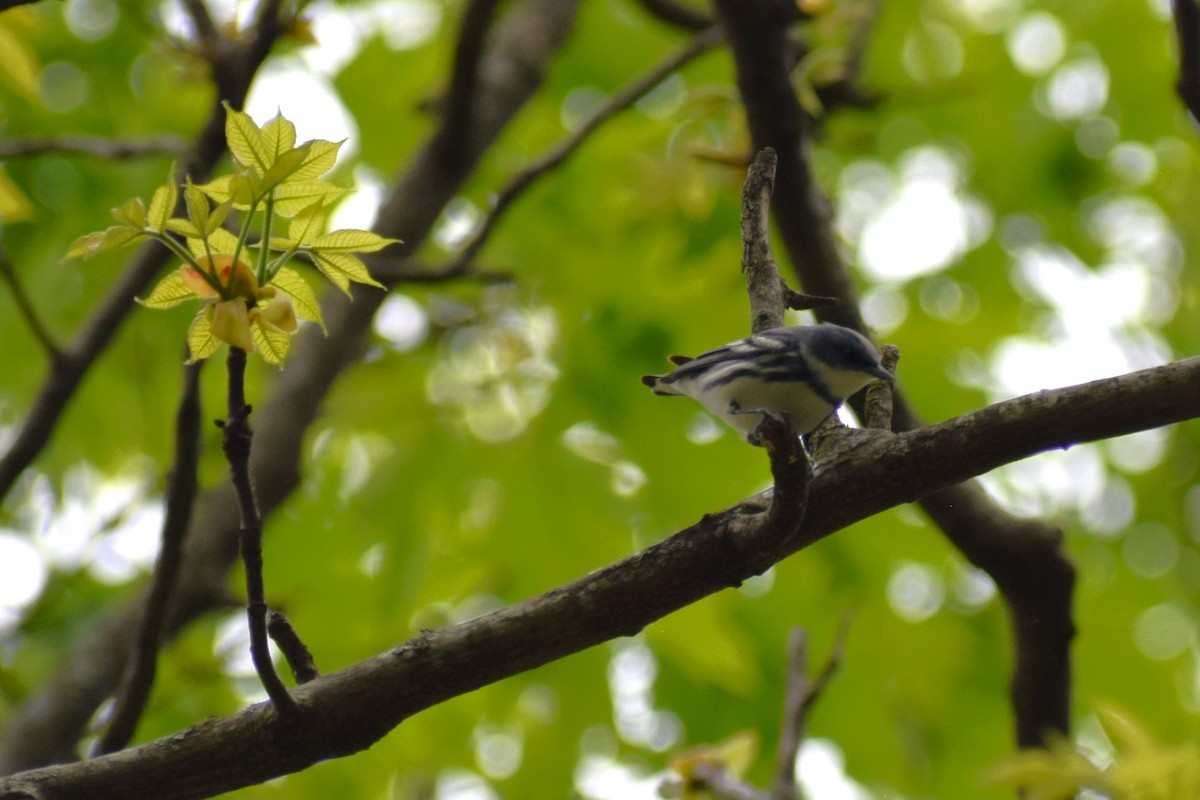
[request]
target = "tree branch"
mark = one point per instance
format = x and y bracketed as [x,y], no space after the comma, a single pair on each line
[236,443]
[1187,34]
[25,306]
[45,728]
[97,146]
[517,185]
[348,710]
[801,695]
[181,495]
[759,35]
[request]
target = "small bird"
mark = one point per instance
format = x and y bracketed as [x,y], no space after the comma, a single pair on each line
[805,371]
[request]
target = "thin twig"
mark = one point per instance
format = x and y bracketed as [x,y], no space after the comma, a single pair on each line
[25,306]
[202,21]
[236,444]
[1187,33]
[138,679]
[98,146]
[799,698]
[526,177]
[721,784]
[877,408]
[299,657]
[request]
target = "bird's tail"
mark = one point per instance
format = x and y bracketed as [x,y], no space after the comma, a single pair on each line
[660,386]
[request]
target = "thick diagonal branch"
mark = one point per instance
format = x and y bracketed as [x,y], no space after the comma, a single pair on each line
[349,710]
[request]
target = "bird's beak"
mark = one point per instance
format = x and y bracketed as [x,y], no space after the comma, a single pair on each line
[883,375]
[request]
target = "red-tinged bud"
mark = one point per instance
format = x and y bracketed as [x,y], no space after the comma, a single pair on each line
[243,284]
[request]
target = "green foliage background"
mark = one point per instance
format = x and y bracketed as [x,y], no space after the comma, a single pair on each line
[633,250]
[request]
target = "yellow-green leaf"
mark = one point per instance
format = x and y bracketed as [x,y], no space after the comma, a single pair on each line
[162,203]
[279,135]
[132,212]
[342,268]
[246,141]
[14,205]
[292,284]
[170,292]
[219,241]
[284,167]
[294,196]
[307,225]
[197,206]
[18,64]
[201,342]
[90,244]
[271,345]
[350,240]
[234,189]
[216,216]
[321,157]
[184,227]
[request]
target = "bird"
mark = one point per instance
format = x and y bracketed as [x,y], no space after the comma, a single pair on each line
[803,371]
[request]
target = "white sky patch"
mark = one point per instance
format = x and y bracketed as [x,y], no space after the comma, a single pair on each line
[915,222]
[342,30]
[287,85]
[361,207]
[23,575]
[131,548]
[1133,162]
[1076,90]
[499,750]
[631,676]
[915,591]
[605,778]
[402,322]
[460,784]
[821,772]
[1037,43]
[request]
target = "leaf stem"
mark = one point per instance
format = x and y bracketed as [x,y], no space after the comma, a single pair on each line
[264,246]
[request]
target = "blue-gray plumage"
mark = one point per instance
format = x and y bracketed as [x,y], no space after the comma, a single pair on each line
[805,371]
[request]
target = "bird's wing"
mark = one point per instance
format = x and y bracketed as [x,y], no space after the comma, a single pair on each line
[767,343]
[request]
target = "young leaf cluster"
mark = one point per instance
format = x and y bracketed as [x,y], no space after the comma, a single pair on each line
[253,299]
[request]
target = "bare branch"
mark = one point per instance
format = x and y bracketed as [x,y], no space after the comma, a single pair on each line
[299,658]
[236,443]
[526,177]
[202,21]
[46,726]
[800,697]
[181,495]
[764,53]
[98,146]
[877,407]
[1187,34]
[25,306]
[722,785]
[350,709]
